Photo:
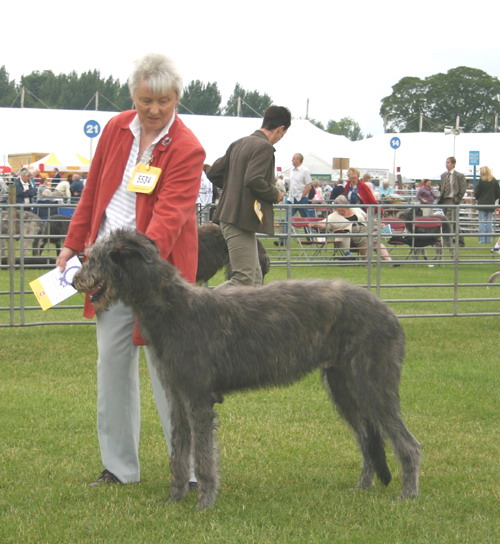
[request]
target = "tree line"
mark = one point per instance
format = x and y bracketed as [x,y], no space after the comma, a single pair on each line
[415,104]
[74,91]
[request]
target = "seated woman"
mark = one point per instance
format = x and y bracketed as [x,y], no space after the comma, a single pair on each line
[353,221]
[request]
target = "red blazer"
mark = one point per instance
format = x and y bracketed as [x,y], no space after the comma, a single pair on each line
[168,215]
[364,192]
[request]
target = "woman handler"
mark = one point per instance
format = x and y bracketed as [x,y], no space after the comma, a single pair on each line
[146,176]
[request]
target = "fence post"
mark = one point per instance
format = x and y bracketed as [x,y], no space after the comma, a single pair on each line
[11,258]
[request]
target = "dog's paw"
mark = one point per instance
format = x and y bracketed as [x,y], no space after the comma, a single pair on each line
[177,493]
[205,501]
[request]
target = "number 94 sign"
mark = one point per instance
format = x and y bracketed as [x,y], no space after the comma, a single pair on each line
[92,129]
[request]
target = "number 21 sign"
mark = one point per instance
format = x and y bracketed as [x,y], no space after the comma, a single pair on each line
[92,129]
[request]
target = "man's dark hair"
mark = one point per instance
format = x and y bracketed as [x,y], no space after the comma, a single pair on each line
[276,116]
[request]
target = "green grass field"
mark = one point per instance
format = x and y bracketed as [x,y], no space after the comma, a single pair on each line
[289,464]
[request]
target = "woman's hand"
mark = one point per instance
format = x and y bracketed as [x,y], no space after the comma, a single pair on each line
[64,257]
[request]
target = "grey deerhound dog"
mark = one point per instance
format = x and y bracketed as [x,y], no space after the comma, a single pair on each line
[208,343]
[23,220]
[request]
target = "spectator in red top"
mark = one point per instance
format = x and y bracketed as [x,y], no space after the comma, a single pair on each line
[356,191]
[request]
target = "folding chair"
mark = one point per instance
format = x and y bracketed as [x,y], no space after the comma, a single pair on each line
[397,230]
[312,239]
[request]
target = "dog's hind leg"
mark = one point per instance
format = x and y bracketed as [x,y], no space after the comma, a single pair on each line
[380,407]
[41,247]
[368,436]
[202,418]
[373,447]
[181,448]
[407,450]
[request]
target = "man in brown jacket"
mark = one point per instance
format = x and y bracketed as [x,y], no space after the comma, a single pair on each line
[246,175]
[453,187]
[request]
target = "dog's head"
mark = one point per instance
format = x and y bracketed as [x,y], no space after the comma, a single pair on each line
[116,267]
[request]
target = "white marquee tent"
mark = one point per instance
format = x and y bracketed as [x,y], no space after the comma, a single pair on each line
[423,154]
[32,130]
[420,155]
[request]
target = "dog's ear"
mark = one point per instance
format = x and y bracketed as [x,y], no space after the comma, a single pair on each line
[118,254]
[127,250]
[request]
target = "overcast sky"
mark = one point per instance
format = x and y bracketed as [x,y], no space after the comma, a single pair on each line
[322,58]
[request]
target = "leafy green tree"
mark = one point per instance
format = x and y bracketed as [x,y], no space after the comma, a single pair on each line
[89,90]
[73,91]
[318,124]
[200,98]
[401,110]
[43,89]
[123,99]
[467,93]
[247,103]
[78,90]
[345,127]
[116,95]
[8,90]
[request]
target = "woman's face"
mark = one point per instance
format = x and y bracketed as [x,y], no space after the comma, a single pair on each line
[154,111]
[352,176]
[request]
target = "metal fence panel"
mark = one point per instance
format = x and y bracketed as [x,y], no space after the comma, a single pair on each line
[458,276]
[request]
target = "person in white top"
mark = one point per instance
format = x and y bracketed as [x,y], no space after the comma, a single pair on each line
[62,190]
[206,191]
[300,185]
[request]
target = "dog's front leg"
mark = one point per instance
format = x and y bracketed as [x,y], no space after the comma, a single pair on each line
[181,448]
[202,416]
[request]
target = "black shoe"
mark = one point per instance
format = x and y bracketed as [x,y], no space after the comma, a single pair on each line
[347,257]
[105,477]
[279,243]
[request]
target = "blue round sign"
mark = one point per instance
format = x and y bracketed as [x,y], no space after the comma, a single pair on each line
[92,128]
[395,142]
